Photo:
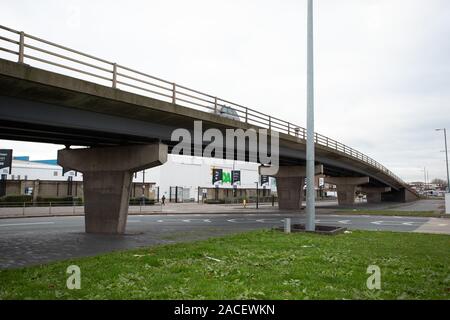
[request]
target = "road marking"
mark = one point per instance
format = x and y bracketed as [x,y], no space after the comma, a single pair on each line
[206,220]
[261,220]
[187,220]
[394,223]
[344,221]
[24,224]
[442,224]
[231,220]
[160,221]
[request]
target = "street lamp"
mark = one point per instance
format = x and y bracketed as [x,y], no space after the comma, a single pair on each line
[310,192]
[446,156]
[257,195]
[143,188]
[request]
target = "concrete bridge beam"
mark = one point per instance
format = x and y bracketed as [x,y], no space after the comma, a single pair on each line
[290,182]
[107,176]
[346,187]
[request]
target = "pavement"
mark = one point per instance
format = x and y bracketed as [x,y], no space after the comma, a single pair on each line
[31,241]
[174,208]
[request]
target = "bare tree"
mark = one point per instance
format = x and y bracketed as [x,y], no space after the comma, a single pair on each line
[440,182]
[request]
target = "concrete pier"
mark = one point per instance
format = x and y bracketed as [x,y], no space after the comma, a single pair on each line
[346,187]
[107,176]
[290,183]
[374,194]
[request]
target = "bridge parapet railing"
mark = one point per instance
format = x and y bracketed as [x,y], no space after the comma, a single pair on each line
[54,57]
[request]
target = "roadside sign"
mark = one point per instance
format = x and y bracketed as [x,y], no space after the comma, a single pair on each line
[217,176]
[6,159]
[264,180]
[236,177]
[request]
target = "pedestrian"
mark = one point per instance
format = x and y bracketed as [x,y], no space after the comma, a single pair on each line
[163,199]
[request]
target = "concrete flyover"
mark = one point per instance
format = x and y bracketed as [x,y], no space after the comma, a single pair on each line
[122,108]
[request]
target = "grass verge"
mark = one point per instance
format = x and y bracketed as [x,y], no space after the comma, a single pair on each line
[390,213]
[254,265]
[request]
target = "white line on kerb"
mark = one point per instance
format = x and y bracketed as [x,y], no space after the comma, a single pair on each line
[24,224]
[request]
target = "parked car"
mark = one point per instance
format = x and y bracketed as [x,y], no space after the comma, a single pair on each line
[227,112]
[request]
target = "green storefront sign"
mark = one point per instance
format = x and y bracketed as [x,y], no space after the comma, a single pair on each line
[221,176]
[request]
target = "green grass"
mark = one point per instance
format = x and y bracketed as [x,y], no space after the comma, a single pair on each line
[254,265]
[390,213]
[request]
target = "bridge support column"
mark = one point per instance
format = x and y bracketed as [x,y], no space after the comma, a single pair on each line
[346,187]
[401,195]
[107,177]
[290,182]
[374,194]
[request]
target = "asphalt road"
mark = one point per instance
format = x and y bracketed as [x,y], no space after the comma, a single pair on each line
[30,241]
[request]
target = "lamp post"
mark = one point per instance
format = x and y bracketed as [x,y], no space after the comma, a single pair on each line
[424,170]
[446,156]
[257,195]
[310,194]
[143,187]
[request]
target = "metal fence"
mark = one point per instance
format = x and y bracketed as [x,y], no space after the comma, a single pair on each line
[55,57]
[55,208]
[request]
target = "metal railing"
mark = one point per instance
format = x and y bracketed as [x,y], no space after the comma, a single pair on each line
[29,47]
[49,208]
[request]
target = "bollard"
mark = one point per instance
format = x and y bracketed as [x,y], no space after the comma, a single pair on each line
[287,225]
[245,203]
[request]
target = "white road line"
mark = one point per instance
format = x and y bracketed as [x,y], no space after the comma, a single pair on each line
[206,220]
[160,221]
[187,220]
[24,224]
[231,220]
[344,221]
[393,223]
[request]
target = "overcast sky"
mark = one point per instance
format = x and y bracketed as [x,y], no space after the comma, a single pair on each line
[382,66]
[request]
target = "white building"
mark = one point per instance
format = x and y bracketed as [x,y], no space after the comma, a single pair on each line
[188,173]
[34,170]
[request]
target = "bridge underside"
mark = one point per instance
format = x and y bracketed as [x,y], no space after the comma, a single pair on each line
[42,106]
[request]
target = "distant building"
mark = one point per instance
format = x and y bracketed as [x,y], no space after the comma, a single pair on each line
[181,178]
